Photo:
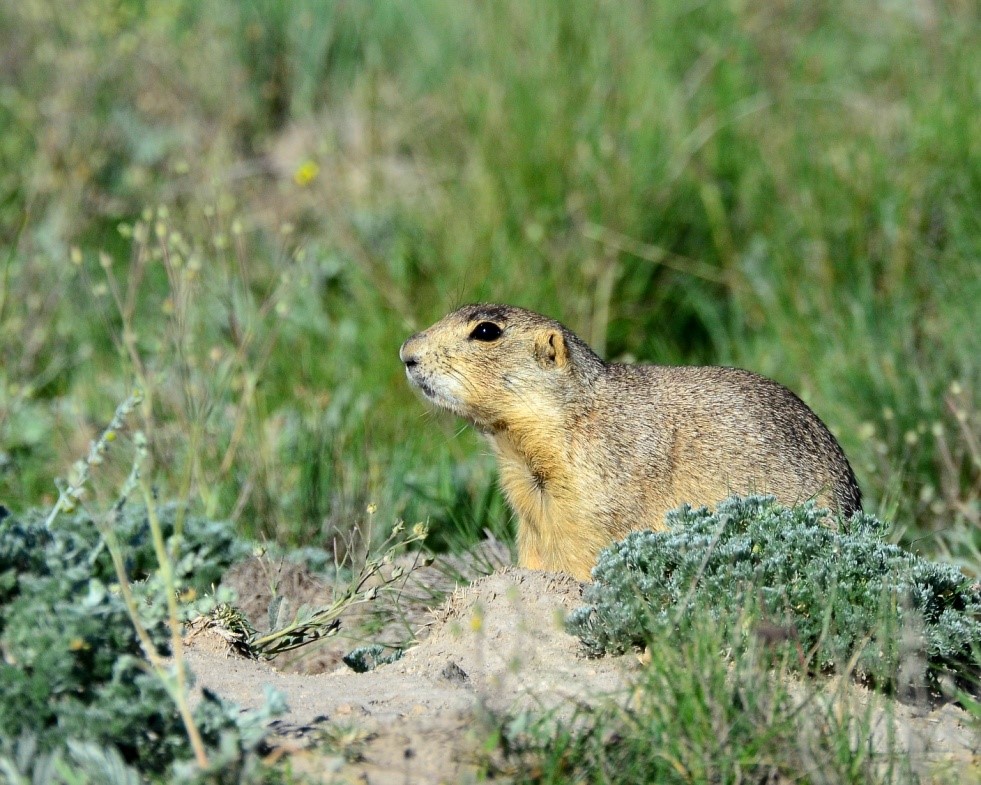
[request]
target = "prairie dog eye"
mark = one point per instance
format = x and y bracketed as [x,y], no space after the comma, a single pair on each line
[486,331]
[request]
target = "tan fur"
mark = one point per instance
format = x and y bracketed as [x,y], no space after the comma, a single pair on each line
[589,450]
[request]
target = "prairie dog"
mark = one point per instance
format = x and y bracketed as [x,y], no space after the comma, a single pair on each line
[589,451]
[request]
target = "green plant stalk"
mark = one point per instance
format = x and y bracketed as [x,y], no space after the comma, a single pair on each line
[178,691]
[263,643]
[347,600]
[7,262]
[355,594]
[187,480]
[179,286]
[71,492]
[156,662]
[115,552]
[177,643]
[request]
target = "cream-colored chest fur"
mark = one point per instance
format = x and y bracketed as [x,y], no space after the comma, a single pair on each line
[555,530]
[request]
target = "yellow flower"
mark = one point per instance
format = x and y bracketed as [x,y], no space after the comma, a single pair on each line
[306,173]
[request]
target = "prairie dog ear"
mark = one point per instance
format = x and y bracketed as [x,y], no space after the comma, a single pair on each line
[550,349]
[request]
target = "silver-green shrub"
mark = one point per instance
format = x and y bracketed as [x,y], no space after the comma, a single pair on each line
[840,594]
[71,669]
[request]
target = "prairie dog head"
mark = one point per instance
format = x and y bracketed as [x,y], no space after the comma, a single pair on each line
[492,363]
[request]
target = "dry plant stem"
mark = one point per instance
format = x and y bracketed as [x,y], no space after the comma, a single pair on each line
[199,401]
[178,691]
[241,414]
[657,255]
[247,398]
[115,552]
[250,377]
[354,595]
[176,640]
[348,599]
[199,396]
[7,263]
[126,340]
[126,308]
[187,479]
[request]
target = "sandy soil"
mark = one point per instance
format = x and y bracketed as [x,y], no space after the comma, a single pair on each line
[494,647]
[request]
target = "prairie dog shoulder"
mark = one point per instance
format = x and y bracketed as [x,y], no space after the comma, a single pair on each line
[589,450]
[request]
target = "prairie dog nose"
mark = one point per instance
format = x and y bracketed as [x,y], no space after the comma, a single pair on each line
[406,353]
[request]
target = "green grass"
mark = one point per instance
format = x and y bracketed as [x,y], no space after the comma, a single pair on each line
[248,208]
[694,716]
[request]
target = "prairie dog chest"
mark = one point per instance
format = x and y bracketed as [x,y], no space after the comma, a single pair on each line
[535,481]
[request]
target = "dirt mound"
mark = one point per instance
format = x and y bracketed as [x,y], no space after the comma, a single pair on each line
[496,646]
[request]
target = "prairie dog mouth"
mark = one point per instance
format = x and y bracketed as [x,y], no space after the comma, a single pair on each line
[420,385]
[437,391]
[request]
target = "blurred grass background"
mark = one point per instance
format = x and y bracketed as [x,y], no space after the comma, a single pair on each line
[247,206]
